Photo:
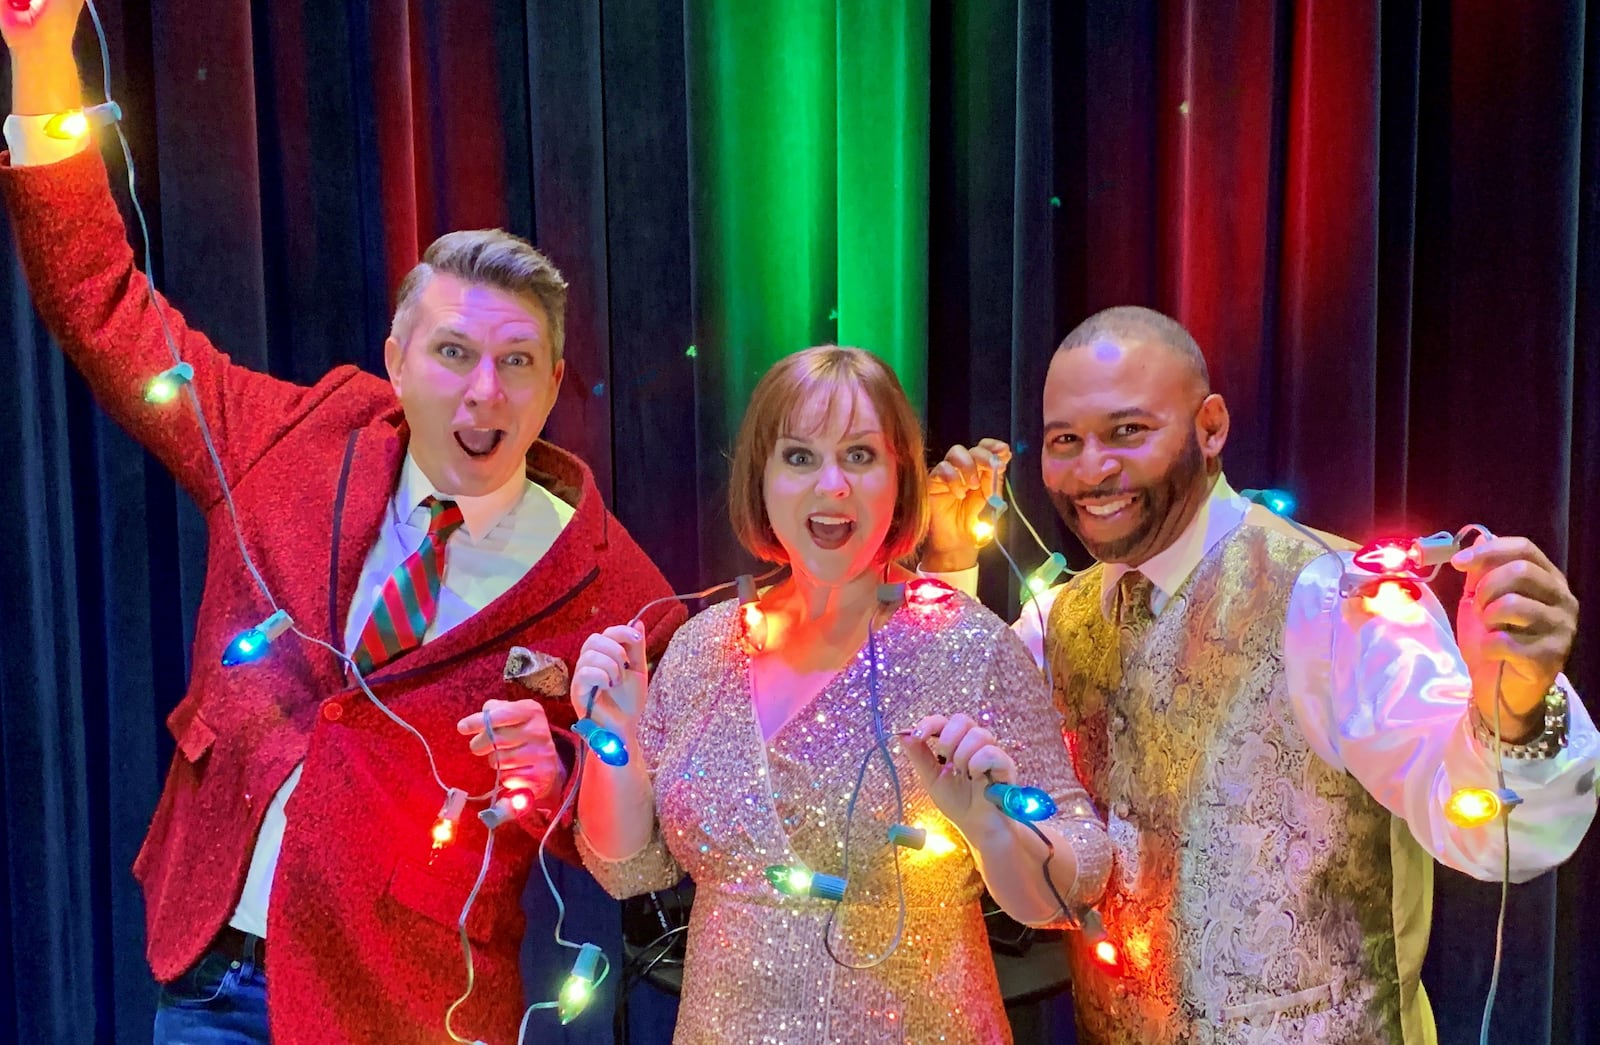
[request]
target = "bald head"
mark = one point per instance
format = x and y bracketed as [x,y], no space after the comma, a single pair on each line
[1127,325]
[1133,434]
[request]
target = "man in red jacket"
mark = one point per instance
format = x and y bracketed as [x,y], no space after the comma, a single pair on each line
[418,525]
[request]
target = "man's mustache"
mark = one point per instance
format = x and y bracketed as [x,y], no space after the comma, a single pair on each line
[1102,491]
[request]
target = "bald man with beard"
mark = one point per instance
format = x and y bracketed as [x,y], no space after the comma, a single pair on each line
[1272,758]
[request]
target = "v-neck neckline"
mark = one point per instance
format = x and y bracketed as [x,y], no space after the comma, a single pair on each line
[795,712]
[842,675]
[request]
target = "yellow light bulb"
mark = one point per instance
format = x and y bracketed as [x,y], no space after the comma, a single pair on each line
[1472,807]
[983,531]
[67,126]
[444,832]
[936,844]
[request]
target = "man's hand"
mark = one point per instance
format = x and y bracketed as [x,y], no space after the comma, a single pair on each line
[1516,612]
[522,748]
[958,490]
[44,74]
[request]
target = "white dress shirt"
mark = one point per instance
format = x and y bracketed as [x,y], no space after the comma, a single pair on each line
[1384,701]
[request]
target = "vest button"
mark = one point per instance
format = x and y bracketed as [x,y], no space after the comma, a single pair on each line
[332,710]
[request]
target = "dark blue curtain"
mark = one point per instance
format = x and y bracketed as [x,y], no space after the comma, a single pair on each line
[1380,224]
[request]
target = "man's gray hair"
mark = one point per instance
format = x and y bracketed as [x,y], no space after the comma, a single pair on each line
[494,258]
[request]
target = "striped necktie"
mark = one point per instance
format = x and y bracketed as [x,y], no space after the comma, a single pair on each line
[410,597]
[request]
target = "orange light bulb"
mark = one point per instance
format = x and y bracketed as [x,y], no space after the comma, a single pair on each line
[755,626]
[1472,807]
[1396,601]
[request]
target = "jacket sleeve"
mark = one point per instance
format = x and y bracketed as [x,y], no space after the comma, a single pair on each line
[96,303]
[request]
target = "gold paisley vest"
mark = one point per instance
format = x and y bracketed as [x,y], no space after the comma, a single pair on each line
[1250,899]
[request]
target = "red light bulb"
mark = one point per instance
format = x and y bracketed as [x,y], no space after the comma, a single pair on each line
[926,593]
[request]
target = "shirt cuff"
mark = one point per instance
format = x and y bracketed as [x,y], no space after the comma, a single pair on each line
[31,147]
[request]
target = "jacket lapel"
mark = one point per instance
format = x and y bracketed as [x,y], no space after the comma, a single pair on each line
[367,480]
[551,585]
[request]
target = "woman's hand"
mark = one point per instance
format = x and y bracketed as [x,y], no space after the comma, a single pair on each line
[956,759]
[612,662]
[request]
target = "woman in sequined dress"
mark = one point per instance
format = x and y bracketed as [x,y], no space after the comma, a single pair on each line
[750,746]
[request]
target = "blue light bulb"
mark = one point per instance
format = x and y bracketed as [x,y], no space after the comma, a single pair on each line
[1278,502]
[252,643]
[606,745]
[1027,804]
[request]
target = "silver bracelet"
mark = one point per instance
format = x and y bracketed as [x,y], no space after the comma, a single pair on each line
[1547,744]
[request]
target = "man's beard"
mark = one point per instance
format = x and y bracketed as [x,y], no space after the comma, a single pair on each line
[1154,503]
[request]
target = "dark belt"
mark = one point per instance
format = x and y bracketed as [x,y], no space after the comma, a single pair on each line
[235,945]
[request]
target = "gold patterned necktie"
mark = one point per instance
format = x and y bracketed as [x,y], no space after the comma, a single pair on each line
[1133,610]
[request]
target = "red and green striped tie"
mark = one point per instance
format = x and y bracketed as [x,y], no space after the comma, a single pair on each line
[410,597]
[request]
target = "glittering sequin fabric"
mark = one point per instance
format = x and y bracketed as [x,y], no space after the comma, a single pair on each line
[1251,893]
[729,805]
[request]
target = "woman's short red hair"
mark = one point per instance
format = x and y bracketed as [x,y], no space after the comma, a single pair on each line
[823,374]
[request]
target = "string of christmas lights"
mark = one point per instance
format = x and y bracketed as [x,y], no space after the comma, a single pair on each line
[255,642]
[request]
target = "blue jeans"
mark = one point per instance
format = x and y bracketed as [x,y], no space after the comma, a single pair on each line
[217,1002]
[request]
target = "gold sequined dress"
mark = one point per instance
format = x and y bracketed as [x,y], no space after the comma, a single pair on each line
[729,805]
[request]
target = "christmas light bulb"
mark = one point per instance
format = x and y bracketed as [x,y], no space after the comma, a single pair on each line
[1476,806]
[1278,502]
[1027,804]
[1049,571]
[1396,601]
[606,745]
[67,126]
[76,123]
[165,386]
[798,881]
[253,643]
[1390,555]
[578,991]
[444,828]
[925,593]
[936,843]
